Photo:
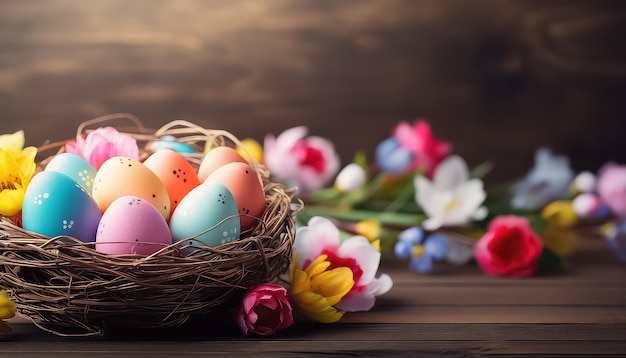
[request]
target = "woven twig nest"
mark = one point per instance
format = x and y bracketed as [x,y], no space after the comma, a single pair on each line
[66,287]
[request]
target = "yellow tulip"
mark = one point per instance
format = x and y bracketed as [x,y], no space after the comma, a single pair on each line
[7,310]
[17,167]
[253,148]
[371,229]
[558,235]
[560,212]
[314,291]
[12,142]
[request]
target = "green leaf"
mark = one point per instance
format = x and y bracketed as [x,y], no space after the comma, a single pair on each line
[386,218]
[551,262]
[360,159]
[482,170]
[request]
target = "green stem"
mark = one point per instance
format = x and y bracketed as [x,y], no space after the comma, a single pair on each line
[386,218]
[401,199]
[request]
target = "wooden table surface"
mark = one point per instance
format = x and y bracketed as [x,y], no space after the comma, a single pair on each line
[455,311]
[496,78]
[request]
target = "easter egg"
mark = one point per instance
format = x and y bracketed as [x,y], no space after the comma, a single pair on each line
[75,167]
[175,172]
[208,214]
[131,225]
[55,205]
[120,176]
[243,182]
[217,157]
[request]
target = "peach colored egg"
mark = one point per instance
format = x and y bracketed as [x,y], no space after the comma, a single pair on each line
[175,172]
[215,158]
[243,183]
[120,176]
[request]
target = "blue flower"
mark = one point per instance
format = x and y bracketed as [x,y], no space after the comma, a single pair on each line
[392,158]
[616,239]
[547,181]
[421,251]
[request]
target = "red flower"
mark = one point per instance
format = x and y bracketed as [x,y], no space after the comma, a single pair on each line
[509,248]
[264,310]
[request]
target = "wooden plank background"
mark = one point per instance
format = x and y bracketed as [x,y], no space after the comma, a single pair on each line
[497,78]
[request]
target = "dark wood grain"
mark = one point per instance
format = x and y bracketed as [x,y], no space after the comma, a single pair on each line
[581,312]
[497,78]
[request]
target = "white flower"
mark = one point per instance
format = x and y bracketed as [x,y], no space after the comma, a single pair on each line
[321,236]
[351,177]
[451,199]
[585,182]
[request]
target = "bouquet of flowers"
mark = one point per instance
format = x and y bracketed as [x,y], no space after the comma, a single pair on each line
[421,201]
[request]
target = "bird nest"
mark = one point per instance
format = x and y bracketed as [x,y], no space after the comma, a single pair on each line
[67,287]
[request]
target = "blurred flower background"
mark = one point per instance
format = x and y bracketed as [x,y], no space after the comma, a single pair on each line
[420,201]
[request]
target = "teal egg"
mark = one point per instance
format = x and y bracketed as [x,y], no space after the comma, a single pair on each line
[55,205]
[208,214]
[75,167]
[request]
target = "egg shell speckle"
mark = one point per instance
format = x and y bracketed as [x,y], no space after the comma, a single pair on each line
[120,176]
[131,225]
[55,205]
[243,182]
[75,167]
[175,172]
[208,214]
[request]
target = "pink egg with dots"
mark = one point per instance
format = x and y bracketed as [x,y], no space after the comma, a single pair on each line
[131,225]
[217,157]
[175,172]
[243,182]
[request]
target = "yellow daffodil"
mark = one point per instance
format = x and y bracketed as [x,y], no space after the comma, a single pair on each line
[253,149]
[7,310]
[17,167]
[560,212]
[371,229]
[558,235]
[317,289]
[12,142]
[561,240]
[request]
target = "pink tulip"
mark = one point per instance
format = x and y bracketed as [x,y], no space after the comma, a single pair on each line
[102,144]
[611,186]
[426,149]
[264,310]
[306,161]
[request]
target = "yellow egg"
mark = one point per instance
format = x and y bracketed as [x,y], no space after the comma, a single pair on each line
[120,176]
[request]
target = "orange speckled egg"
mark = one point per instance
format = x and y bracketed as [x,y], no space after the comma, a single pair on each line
[243,182]
[215,158]
[175,172]
[120,176]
